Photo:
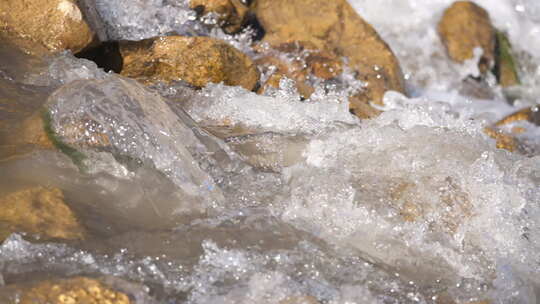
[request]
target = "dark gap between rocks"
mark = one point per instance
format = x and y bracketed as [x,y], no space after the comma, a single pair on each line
[106,56]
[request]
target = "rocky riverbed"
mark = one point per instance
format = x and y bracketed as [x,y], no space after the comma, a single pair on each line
[269,151]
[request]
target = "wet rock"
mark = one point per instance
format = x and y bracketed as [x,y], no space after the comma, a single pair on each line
[196,60]
[39,211]
[75,290]
[31,132]
[507,141]
[335,27]
[300,300]
[505,65]
[231,13]
[41,26]
[299,61]
[464,27]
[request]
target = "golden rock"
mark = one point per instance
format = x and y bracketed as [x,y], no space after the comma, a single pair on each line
[196,60]
[336,28]
[464,27]
[77,290]
[232,13]
[300,300]
[39,211]
[42,26]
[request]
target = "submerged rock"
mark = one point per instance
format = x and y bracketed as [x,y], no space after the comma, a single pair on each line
[231,13]
[39,211]
[334,27]
[196,60]
[41,26]
[77,290]
[116,125]
[464,27]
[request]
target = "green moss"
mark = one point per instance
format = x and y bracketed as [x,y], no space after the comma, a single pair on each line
[505,65]
[76,156]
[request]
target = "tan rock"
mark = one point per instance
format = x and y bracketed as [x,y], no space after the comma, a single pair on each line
[39,211]
[40,26]
[508,141]
[299,62]
[31,132]
[196,60]
[336,28]
[232,13]
[300,300]
[78,290]
[464,27]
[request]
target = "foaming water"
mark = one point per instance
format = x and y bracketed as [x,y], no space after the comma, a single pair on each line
[225,196]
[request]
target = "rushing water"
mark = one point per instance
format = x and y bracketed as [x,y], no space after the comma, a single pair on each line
[301,198]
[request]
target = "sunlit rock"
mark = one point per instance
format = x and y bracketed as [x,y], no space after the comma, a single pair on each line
[299,61]
[40,212]
[76,290]
[464,27]
[196,60]
[41,26]
[511,132]
[335,27]
[231,13]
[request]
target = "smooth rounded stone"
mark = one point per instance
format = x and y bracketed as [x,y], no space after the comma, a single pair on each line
[335,27]
[231,13]
[41,212]
[76,290]
[42,26]
[465,26]
[31,132]
[196,60]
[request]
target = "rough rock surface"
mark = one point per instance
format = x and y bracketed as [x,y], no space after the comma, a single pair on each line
[40,26]
[298,61]
[39,211]
[196,60]
[465,26]
[77,290]
[231,13]
[335,27]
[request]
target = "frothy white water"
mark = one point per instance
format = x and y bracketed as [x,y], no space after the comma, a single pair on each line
[409,207]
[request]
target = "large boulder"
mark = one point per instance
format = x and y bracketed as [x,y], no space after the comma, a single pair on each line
[335,27]
[41,26]
[196,60]
[39,211]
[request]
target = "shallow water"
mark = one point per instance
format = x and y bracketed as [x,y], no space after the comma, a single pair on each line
[297,197]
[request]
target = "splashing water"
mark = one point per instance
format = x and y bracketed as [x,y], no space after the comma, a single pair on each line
[300,198]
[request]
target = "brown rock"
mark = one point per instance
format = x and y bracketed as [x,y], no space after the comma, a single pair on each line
[508,141]
[232,13]
[31,132]
[299,62]
[196,60]
[300,300]
[465,26]
[39,211]
[334,27]
[40,26]
[77,290]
